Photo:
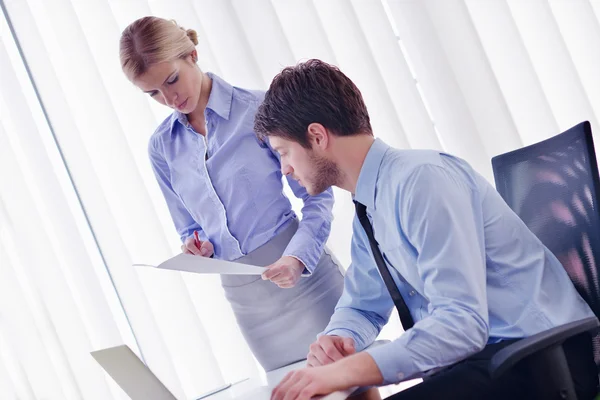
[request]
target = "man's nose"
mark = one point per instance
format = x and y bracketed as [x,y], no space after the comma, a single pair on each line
[286,169]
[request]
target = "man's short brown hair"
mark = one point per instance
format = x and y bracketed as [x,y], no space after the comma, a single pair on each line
[312,91]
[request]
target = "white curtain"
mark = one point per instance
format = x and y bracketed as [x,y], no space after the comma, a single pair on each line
[79,204]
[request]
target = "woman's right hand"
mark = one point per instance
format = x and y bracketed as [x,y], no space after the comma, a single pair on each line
[197,248]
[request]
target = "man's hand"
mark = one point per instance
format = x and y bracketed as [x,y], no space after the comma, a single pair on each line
[305,383]
[356,370]
[328,349]
[285,272]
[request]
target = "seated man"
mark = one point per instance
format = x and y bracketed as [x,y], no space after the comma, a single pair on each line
[453,255]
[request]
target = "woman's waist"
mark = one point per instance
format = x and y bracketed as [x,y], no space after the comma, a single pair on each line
[250,224]
[270,245]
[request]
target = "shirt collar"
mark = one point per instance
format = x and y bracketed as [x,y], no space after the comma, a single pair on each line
[219,101]
[220,97]
[367,179]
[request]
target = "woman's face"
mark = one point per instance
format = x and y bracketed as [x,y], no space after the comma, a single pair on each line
[175,84]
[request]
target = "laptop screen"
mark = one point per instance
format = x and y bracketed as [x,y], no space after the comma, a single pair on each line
[131,374]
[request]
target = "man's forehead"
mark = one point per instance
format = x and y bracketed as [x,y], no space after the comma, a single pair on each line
[277,142]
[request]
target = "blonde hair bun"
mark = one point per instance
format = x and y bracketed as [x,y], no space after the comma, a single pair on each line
[193,35]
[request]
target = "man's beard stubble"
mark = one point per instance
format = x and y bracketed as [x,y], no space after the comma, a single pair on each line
[326,174]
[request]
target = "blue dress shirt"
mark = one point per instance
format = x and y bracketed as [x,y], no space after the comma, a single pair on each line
[469,269]
[228,185]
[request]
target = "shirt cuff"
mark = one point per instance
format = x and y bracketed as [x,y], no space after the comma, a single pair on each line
[305,271]
[394,362]
[360,329]
[338,332]
[307,246]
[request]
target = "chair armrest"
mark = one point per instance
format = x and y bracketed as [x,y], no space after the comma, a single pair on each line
[512,354]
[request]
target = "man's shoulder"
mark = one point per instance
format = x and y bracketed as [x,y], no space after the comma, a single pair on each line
[398,165]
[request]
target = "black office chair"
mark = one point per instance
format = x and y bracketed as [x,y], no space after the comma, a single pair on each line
[554,187]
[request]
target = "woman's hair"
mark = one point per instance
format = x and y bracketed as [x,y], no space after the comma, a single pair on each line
[151,40]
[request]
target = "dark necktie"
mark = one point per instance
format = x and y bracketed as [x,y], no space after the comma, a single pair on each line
[403,312]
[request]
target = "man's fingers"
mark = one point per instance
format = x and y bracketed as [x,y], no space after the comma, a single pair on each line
[311,361]
[319,354]
[329,347]
[281,388]
[288,377]
[295,389]
[348,345]
[344,345]
[307,392]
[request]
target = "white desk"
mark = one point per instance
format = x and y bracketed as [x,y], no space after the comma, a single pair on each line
[260,390]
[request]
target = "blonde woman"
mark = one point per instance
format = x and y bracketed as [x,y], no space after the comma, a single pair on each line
[224,191]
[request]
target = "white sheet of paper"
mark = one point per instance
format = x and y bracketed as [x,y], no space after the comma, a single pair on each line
[204,265]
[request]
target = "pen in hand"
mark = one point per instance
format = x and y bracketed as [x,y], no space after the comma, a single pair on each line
[194,246]
[198,242]
[203,250]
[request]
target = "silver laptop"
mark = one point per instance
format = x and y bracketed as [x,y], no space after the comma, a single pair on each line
[140,383]
[134,377]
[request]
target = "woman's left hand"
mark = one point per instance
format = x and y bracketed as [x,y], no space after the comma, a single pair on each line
[285,272]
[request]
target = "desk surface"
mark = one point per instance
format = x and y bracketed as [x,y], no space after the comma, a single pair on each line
[260,390]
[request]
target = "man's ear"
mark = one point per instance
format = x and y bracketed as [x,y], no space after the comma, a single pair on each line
[318,136]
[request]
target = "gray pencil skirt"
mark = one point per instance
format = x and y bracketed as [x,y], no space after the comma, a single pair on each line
[280,324]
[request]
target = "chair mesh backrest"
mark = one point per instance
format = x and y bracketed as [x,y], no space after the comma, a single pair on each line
[554,187]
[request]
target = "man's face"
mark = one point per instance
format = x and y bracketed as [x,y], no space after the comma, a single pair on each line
[316,173]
